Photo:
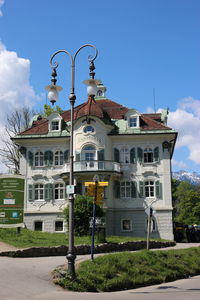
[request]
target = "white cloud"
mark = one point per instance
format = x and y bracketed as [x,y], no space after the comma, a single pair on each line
[1,4]
[186,120]
[15,88]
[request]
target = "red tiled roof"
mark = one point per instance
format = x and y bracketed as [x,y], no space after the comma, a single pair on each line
[90,108]
[148,123]
[104,109]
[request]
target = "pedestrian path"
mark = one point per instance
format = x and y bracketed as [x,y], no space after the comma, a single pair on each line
[6,247]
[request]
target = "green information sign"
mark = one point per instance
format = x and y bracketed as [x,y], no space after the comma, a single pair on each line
[11,201]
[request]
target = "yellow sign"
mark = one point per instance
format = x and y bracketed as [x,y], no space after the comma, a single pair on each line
[89,183]
[96,189]
[103,183]
[91,190]
[100,183]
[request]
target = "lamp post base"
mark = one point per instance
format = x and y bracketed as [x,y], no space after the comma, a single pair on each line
[71,265]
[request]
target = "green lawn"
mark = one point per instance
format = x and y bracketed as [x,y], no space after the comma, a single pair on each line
[115,272]
[28,238]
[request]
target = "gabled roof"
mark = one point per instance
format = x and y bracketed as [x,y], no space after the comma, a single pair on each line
[106,110]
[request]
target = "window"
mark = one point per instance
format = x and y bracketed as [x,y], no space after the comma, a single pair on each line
[59,191]
[89,129]
[59,226]
[39,159]
[124,155]
[89,153]
[39,192]
[148,155]
[125,189]
[59,158]
[149,189]
[55,125]
[99,93]
[126,225]
[38,225]
[133,122]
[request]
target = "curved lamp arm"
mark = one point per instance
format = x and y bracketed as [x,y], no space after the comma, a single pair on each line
[55,64]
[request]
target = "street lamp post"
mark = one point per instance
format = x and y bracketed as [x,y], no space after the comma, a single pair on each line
[53,95]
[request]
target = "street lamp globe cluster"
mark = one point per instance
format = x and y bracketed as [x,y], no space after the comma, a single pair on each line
[53,91]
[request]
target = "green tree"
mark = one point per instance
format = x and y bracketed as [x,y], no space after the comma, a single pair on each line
[48,110]
[175,200]
[188,204]
[83,209]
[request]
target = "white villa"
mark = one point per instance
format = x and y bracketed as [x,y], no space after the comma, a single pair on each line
[130,150]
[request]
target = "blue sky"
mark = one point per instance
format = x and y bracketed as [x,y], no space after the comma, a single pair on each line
[144,45]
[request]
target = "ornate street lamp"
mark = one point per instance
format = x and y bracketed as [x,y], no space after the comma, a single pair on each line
[53,96]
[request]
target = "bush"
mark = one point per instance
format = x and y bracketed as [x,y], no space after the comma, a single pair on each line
[83,211]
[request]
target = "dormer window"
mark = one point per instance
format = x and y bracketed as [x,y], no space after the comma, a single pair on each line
[133,122]
[55,121]
[133,118]
[54,125]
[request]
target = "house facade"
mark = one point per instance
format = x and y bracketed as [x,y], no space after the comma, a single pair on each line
[131,151]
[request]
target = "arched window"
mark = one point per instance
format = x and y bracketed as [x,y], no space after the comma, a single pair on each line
[59,158]
[59,191]
[124,155]
[148,155]
[89,153]
[39,191]
[39,159]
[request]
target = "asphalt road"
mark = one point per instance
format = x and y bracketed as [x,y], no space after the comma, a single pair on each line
[30,278]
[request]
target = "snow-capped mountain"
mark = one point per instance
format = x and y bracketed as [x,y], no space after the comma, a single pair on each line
[193,178]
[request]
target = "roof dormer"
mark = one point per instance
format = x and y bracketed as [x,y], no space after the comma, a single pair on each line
[133,118]
[54,122]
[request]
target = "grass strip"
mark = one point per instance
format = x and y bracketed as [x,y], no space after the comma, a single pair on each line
[116,272]
[28,238]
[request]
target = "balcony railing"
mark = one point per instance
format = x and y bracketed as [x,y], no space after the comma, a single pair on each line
[94,165]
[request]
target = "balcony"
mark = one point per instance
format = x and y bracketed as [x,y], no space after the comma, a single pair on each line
[94,166]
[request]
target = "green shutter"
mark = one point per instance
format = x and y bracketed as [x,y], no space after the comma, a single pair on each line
[66,156]
[158,189]
[116,189]
[133,189]
[30,192]
[78,156]
[48,158]
[116,155]
[30,158]
[141,189]
[101,155]
[140,154]
[132,156]
[156,154]
[48,191]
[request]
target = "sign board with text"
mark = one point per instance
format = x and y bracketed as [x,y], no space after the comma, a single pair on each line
[11,201]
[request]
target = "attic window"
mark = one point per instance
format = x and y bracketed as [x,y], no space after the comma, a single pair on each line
[54,125]
[133,122]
